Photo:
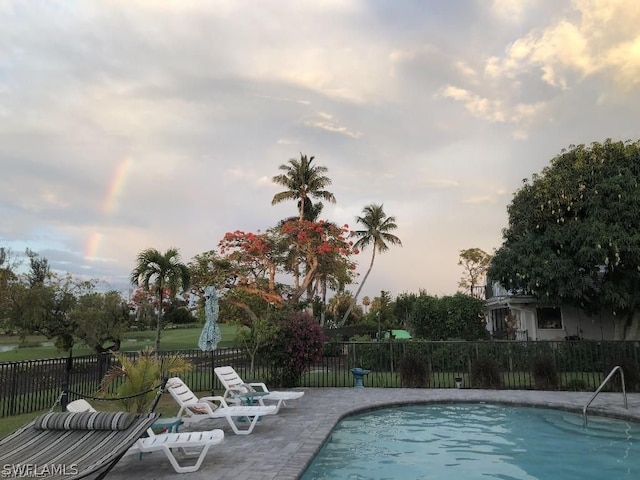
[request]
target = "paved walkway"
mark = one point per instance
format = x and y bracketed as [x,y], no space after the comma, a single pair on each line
[282,445]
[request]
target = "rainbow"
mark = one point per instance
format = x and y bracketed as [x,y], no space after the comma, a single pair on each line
[116,186]
[92,245]
[110,203]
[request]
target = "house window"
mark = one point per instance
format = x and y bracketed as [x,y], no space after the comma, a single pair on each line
[549,317]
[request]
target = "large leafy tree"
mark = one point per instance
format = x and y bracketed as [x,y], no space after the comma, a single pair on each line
[39,301]
[339,304]
[62,308]
[101,320]
[161,271]
[8,279]
[574,234]
[377,233]
[250,262]
[211,268]
[403,307]
[382,312]
[303,182]
[39,269]
[45,308]
[334,271]
[456,316]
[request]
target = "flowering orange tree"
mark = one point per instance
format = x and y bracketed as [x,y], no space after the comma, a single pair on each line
[254,262]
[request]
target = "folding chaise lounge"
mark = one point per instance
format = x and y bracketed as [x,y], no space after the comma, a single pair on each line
[69,446]
[194,409]
[165,442]
[234,385]
[184,441]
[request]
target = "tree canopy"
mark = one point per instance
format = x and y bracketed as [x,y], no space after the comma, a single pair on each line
[249,263]
[62,308]
[450,317]
[303,181]
[475,263]
[574,233]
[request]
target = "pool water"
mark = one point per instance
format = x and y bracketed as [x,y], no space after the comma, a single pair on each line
[478,441]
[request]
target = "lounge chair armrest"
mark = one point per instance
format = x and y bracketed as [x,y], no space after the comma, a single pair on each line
[198,408]
[214,399]
[260,385]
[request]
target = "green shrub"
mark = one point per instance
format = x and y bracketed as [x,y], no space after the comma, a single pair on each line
[414,372]
[140,374]
[376,356]
[332,349]
[485,373]
[545,373]
[298,344]
[577,385]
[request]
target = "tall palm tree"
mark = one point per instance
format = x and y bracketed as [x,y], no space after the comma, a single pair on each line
[303,181]
[162,271]
[376,232]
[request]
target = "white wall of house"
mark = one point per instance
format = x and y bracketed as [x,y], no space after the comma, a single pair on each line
[596,327]
[525,321]
[524,310]
[575,323]
[550,334]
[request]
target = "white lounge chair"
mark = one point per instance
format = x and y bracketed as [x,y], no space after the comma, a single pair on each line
[234,385]
[165,442]
[184,441]
[194,409]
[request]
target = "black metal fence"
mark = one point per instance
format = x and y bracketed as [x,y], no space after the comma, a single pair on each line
[35,385]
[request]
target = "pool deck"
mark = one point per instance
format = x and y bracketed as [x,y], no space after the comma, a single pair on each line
[282,445]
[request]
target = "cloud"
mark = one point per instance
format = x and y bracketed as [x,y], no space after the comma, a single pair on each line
[510,10]
[601,38]
[433,110]
[325,121]
[442,183]
[591,39]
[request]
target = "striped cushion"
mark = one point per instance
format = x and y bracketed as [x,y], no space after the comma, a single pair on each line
[84,421]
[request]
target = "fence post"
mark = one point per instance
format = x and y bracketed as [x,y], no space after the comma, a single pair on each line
[14,389]
[64,398]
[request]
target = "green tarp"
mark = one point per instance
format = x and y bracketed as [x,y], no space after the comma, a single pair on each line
[397,334]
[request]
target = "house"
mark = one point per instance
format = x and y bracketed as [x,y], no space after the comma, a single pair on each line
[515,316]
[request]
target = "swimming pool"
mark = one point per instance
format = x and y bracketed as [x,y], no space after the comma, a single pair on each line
[478,441]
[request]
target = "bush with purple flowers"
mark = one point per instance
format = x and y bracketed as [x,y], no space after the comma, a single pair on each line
[297,345]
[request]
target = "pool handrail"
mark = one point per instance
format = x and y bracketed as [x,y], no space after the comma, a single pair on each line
[604,382]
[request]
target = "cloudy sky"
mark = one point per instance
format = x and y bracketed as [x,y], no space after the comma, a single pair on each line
[157,123]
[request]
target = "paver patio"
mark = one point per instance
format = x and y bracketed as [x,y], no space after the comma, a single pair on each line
[282,445]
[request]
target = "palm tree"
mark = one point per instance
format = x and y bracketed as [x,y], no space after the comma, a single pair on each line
[160,271]
[377,227]
[303,181]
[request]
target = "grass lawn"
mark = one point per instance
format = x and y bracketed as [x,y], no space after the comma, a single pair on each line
[32,347]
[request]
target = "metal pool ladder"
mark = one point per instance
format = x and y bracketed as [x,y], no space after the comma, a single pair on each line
[604,382]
